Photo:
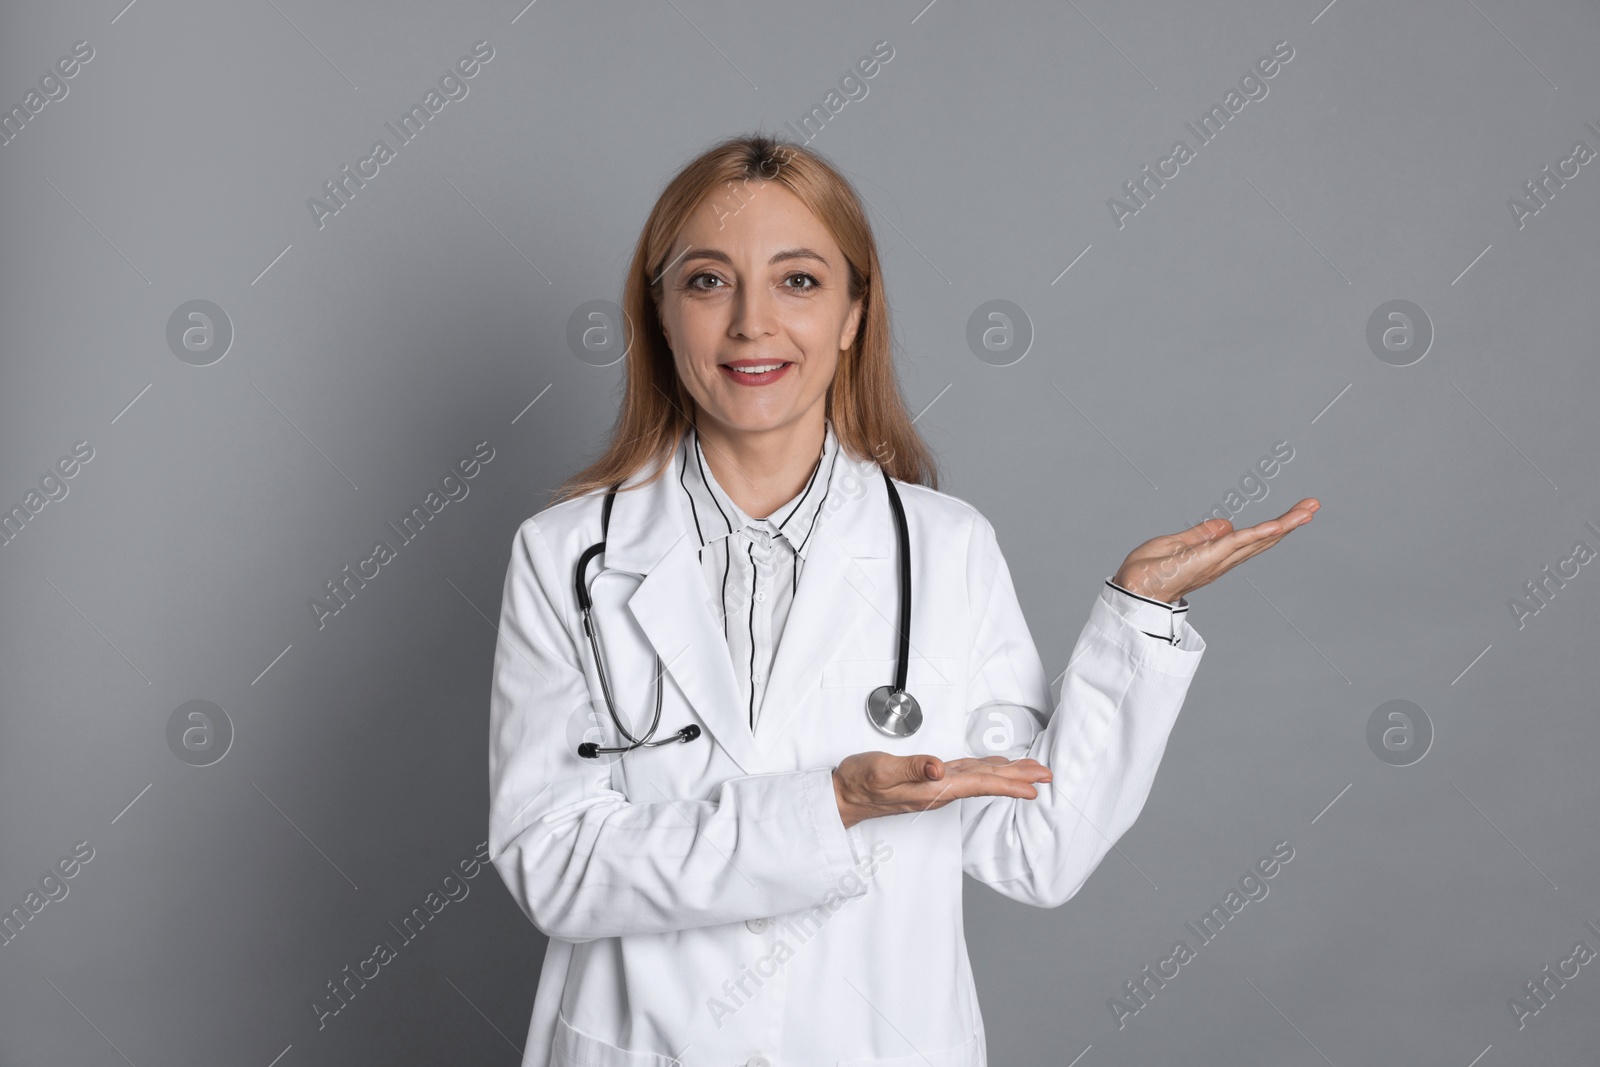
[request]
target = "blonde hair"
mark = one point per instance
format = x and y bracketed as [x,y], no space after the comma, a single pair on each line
[863,401]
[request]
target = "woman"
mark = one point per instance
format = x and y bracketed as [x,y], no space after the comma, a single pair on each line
[776,878]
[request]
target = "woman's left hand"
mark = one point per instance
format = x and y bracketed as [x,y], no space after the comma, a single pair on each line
[1166,568]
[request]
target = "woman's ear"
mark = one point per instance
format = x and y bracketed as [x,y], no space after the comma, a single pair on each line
[661,319]
[852,323]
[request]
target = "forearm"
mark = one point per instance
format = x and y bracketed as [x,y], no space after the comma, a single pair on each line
[1120,697]
[591,866]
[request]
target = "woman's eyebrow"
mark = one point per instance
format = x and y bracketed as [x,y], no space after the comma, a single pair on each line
[777,257]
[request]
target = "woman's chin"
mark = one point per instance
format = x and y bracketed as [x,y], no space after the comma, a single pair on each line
[758,416]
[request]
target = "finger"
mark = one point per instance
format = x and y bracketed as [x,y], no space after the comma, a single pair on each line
[1009,784]
[1022,769]
[993,761]
[1206,530]
[984,775]
[1296,516]
[1255,548]
[1226,565]
[961,773]
[1276,528]
[929,798]
[1226,544]
[1008,788]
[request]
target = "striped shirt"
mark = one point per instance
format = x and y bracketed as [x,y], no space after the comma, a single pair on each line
[1144,612]
[753,566]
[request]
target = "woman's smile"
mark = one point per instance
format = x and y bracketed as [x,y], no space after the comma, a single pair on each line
[755,371]
[756,310]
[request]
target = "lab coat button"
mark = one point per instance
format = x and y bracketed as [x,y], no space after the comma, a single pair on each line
[757,926]
[758,1060]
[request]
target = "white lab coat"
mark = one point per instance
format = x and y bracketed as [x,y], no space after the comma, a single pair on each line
[704,902]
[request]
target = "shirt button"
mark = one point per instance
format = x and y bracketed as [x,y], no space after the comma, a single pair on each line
[761,595]
[758,1060]
[757,926]
[755,676]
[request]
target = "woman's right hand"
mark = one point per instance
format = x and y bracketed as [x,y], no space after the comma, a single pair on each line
[869,784]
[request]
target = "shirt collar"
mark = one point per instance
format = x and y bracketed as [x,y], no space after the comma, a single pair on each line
[713,514]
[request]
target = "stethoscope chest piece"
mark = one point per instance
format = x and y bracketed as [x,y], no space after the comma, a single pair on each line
[891,709]
[894,712]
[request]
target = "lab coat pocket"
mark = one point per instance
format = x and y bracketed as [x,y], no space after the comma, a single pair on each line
[933,680]
[970,1053]
[871,673]
[574,1048]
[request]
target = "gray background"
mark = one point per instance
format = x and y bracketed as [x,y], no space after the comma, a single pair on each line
[1229,314]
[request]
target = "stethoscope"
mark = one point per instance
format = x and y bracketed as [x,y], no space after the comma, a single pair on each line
[890,709]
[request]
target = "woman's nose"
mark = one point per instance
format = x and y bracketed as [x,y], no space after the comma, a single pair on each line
[754,313]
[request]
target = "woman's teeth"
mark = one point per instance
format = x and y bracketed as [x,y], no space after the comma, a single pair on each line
[764,368]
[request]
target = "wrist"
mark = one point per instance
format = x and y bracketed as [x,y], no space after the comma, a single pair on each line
[1166,591]
[846,810]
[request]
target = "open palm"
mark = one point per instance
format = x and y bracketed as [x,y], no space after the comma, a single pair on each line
[1167,567]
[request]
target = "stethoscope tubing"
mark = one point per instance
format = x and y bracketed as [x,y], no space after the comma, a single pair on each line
[590,750]
[903,658]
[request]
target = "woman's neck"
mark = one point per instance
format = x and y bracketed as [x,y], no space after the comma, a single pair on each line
[762,471]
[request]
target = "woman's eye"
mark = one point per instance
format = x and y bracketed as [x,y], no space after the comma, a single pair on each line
[809,282]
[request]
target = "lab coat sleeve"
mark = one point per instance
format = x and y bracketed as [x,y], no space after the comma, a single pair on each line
[583,860]
[1120,697]
[1153,618]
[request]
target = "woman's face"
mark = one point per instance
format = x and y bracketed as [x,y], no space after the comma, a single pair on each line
[762,285]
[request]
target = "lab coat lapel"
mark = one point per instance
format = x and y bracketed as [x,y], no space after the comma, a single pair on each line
[849,571]
[649,536]
[674,609]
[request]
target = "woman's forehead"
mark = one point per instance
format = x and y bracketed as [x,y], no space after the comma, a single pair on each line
[763,220]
